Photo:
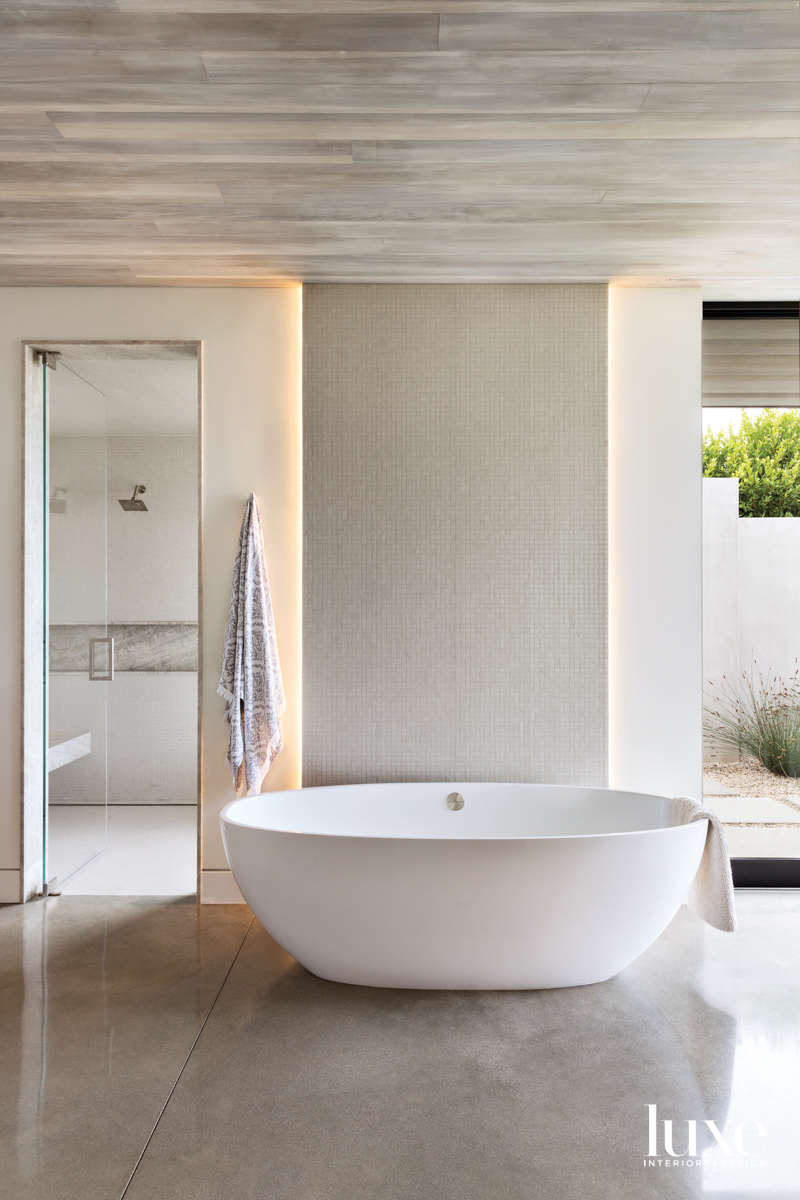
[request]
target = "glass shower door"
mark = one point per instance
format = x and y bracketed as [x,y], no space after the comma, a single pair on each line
[78,648]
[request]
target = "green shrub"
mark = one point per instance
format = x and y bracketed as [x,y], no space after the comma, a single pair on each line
[759,718]
[765,457]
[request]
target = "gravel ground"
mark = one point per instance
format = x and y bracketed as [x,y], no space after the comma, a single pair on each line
[749,778]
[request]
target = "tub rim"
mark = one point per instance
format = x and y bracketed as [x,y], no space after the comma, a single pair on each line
[225,816]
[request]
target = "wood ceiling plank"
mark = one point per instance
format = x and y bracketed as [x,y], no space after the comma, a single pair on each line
[421,6]
[529,151]
[431,126]
[133,66]
[60,5]
[706,97]
[320,126]
[584,219]
[447,81]
[543,161]
[72,150]
[435,84]
[27,125]
[611,243]
[365,180]
[751,194]
[365,184]
[67,31]
[424,235]
[463,85]
[289,231]
[408,83]
[459,240]
[46,189]
[715,220]
[198,253]
[615,31]
[15,232]
[644,219]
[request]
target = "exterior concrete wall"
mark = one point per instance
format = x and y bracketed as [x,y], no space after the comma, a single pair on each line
[751,593]
[769,594]
[720,591]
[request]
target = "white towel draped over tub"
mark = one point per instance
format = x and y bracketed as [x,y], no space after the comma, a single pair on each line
[251,672]
[711,894]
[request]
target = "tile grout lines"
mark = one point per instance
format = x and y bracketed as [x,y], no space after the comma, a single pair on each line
[186,1060]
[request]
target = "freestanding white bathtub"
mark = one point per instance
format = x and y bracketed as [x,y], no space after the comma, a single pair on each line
[525,886]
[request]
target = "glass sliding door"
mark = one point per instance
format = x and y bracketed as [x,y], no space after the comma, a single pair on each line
[751,584]
[79,654]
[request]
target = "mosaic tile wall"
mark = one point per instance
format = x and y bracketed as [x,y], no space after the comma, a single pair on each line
[455,533]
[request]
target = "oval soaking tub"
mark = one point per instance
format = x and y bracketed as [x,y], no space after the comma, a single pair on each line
[525,886]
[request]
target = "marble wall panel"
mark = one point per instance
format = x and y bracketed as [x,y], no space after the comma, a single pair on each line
[151,646]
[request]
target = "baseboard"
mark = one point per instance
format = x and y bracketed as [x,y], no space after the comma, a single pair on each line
[766,872]
[219,887]
[9,885]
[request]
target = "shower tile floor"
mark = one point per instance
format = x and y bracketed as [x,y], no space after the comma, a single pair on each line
[159,1051]
[151,850]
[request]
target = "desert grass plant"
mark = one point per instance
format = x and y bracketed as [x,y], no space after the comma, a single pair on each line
[760,717]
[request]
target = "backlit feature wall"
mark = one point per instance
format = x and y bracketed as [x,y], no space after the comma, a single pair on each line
[455,533]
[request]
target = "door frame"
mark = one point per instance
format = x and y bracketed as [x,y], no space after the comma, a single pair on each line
[32,667]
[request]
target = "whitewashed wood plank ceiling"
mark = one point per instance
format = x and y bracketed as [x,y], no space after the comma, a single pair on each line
[244,142]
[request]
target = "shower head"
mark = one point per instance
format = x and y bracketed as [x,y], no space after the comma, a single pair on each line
[134,504]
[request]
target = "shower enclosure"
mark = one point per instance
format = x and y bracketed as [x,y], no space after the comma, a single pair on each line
[112,439]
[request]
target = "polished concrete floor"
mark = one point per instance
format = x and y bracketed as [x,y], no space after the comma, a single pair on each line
[159,1051]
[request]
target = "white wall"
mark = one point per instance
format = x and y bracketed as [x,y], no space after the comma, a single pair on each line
[251,441]
[655,531]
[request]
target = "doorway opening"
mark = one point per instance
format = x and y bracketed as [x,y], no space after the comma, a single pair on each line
[117,527]
[751,585]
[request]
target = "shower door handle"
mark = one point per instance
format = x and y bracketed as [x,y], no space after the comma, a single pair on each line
[106,676]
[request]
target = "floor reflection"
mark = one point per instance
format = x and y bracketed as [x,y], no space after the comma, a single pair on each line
[298,1087]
